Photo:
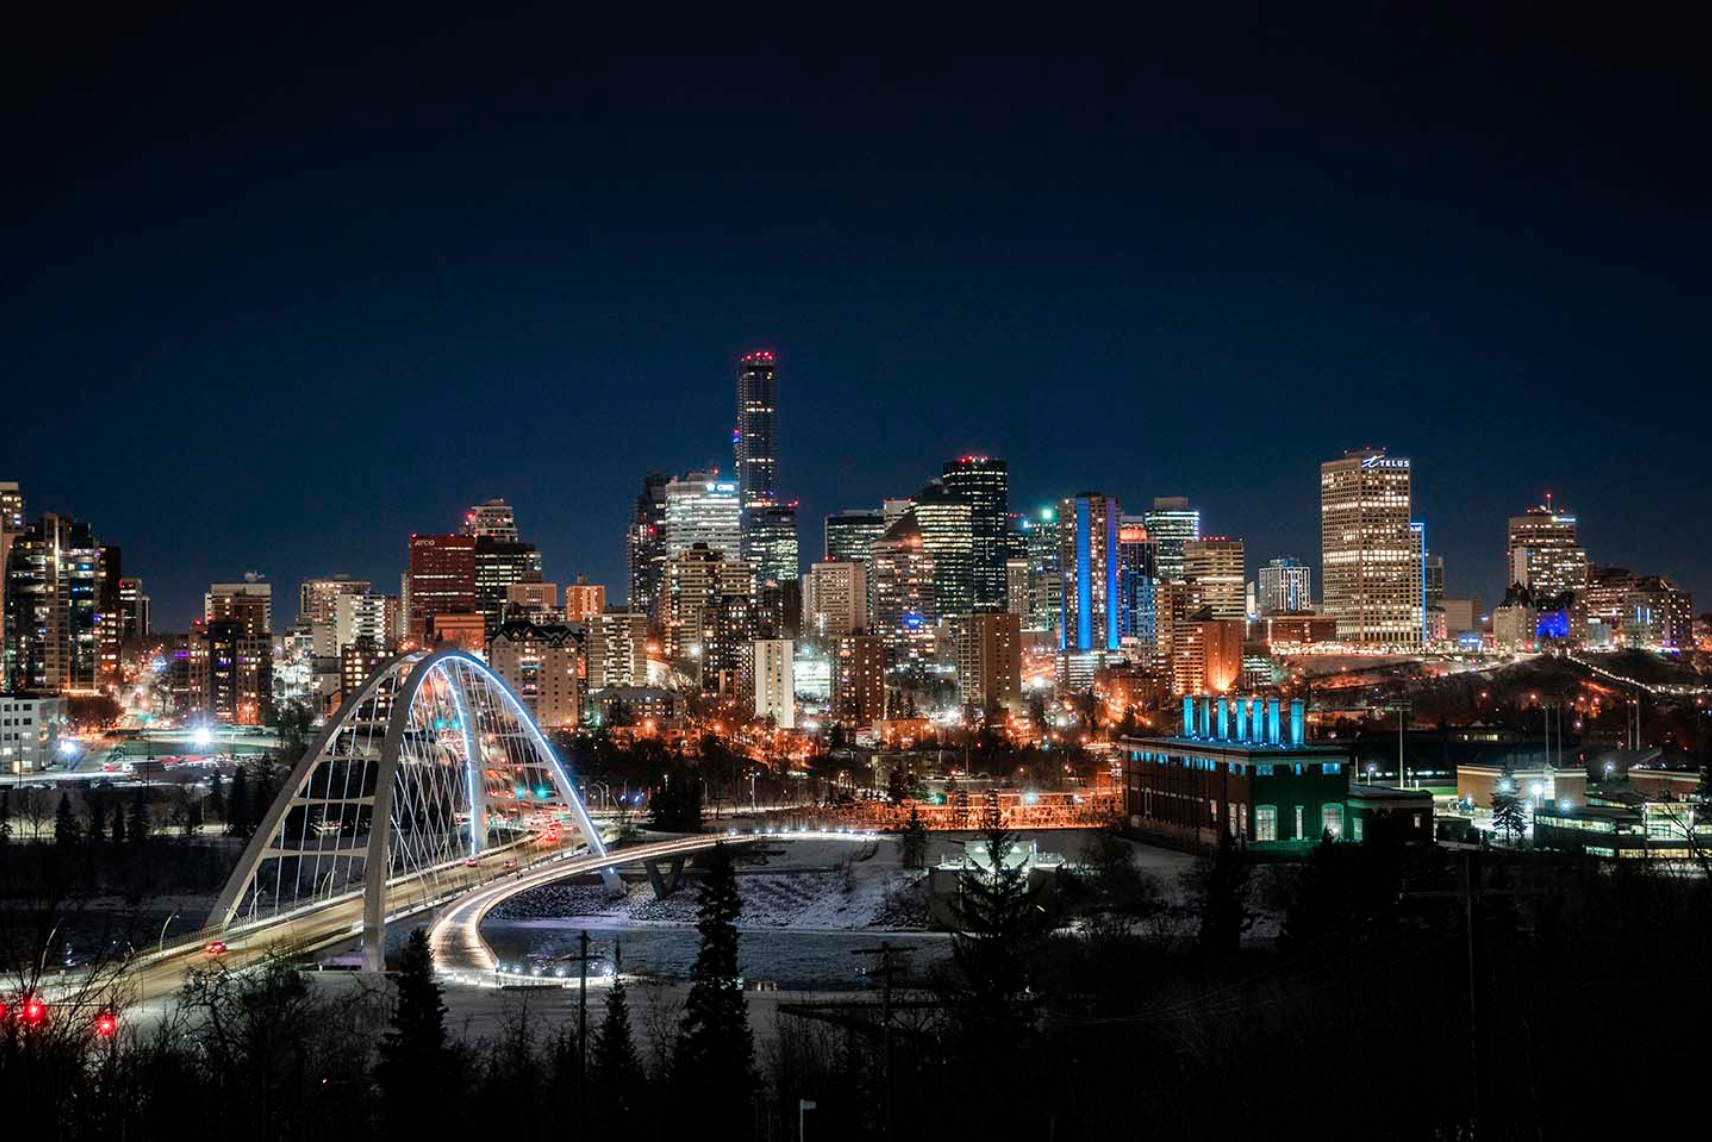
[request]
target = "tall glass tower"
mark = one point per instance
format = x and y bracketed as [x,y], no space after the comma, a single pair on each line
[756,440]
[985,484]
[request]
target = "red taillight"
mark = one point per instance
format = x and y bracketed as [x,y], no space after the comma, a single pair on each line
[35,1012]
[106,1025]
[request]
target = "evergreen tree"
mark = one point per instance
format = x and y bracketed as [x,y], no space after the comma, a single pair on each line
[66,831]
[215,804]
[137,828]
[914,840]
[1507,814]
[119,824]
[97,820]
[897,791]
[996,926]
[238,804]
[261,799]
[615,1067]
[5,816]
[1220,888]
[714,1059]
[415,1072]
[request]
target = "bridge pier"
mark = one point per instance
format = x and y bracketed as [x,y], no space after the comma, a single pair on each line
[667,884]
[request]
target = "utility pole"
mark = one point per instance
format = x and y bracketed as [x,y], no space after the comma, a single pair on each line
[1402,706]
[886,971]
[582,959]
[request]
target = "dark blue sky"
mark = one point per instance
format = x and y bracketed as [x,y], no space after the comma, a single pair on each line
[283,291]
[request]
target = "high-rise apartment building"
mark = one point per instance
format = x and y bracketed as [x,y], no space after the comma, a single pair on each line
[835,599]
[617,649]
[493,519]
[583,599]
[984,484]
[1172,523]
[540,664]
[441,580]
[51,632]
[904,609]
[1039,533]
[1088,561]
[249,603]
[134,617]
[695,581]
[535,602]
[1206,655]
[859,678]
[1286,587]
[1544,554]
[1370,552]
[1435,580]
[989,659]
[775,682]
[850,534]
[317,598]
[231,668]
[1216,570]
[645,543]
[1138,569]
[702,508]
[368,617]
[109,618]
[946,522]
[11,525]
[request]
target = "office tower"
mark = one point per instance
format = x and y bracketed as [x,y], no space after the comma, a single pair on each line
[231,665]
[51,644]
[1216,568]
[368,617]
[892,509]
[984,484]
[702,508]
[1206,655]
[775,681]
[1618,607]
[583,599]
[1138,567]
[441,581]
[1172,607]
[499,564]
[770,533]
[859,678]
[645,544]
[1435,581]
[695,581]
[109,618]
[540,664]
[1045,583]
[779,609]
[1544,554]
[989,659]
[903,610]
[1285,587]
[1423,619]
[1370,555]
[493,519]
[835,599]
[249,603]
[317,598]
[1088,560]
[756,441]
[11,525]
[134,618]
[850,534]
[617,648]
[945,522]
[1172,523]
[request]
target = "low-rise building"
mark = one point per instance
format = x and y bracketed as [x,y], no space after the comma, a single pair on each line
[29,732]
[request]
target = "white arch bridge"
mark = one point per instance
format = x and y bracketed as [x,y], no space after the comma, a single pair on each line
[428,786]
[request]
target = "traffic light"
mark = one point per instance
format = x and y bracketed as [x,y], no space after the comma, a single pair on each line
[34,1012]
[106,1025]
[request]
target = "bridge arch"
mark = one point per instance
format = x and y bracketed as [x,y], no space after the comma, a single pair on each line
[439,751]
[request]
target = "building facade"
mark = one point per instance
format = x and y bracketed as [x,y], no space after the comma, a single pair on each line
[1216,570]
[1172,523]
[859,678]
[617,647]
[51,643]
[702,508]
[1543,553]
[1088,563]
[984,484]
[29,733]
[989,659]
[835,599]
[542,665]
[902,584]
[1286,587]
[1370,552]
[775,682]
[440,580]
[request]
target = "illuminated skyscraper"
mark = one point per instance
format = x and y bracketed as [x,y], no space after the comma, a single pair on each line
[441,580]
[51,642]
[835,598]
[770,534]
[317,599]
[945,520]
[1285,587]
[1215,568]
[492,518]
[1045,581]
[984,484]
[249,603]
[989,659]
[499,564]
[1088,561]
[1138,569]
[702,508]
[901,585]
[645,543]
[1172,523]
[1370,554]
[757,438]
[849,534]
[1544,554]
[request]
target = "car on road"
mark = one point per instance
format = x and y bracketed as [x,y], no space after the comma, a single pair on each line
[214,948]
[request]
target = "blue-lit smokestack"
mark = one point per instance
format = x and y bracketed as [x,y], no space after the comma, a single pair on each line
[1241,720]
[1273,735]
[1298,722]
[1188,716]
[1206,717]
[1224,719]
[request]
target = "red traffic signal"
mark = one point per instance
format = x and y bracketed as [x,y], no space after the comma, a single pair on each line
[106,1025]
[34,1013]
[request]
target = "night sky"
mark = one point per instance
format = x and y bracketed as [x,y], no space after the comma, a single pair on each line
[283,290]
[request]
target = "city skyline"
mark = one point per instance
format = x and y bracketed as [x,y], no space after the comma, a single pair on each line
[1225,276]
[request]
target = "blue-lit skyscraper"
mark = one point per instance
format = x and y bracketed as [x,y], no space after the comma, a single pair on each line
[1088,561]
[1171,522]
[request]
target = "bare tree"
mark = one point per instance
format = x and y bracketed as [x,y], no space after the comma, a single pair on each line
[34,806]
